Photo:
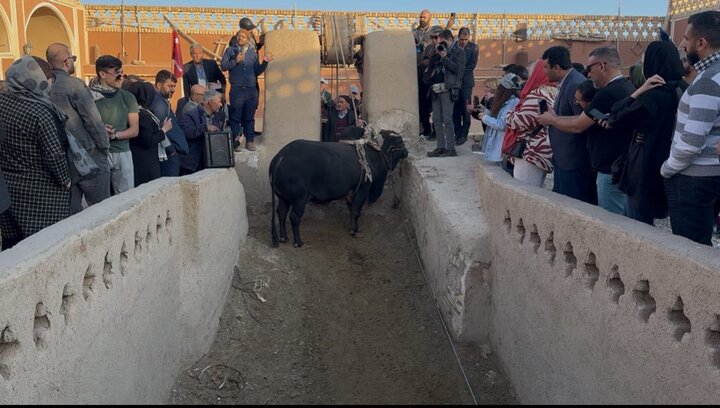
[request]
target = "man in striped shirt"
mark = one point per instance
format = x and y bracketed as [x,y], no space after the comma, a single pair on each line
[692,172]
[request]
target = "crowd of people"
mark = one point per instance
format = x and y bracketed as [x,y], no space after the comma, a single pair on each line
[644,145]
[65,145]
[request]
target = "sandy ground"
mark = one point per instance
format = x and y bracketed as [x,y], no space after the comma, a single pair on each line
[339,321]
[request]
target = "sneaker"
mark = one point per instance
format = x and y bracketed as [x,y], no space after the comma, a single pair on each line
[460,141]
[436,153]
[449,153]
[250,146]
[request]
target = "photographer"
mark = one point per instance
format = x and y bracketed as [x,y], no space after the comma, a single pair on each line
[444,76]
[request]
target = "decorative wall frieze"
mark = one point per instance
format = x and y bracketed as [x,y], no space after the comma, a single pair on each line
[195,20]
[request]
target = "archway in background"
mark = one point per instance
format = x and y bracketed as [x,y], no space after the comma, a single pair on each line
[45,27]
[4,33]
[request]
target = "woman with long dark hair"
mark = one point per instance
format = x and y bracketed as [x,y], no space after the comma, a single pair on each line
[650,112]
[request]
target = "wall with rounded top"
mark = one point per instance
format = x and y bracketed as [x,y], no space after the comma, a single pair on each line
[108,306]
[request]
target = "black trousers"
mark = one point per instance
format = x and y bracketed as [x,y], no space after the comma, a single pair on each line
[691,203]
[461,117]
[425,108]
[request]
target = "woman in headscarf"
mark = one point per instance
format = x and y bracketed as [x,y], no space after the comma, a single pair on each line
[146,148]
[33,156]
[523,128]
[650,112]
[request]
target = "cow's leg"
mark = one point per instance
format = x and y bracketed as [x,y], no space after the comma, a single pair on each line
[298,209]
[282,211]
[358,200]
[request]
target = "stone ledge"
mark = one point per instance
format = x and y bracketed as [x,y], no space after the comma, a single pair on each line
[440,198]
[108,305]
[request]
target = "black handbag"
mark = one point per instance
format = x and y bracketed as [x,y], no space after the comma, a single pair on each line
[618,167]
[518,149]
[633,169]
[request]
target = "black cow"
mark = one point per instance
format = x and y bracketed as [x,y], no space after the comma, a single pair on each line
[304,171]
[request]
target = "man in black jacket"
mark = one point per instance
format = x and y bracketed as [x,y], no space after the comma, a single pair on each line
[202,71]
[444,75]
[461,117]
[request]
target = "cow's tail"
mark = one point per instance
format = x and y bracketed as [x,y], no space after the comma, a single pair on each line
[273,228]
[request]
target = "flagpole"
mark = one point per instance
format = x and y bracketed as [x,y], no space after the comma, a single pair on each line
[618,29]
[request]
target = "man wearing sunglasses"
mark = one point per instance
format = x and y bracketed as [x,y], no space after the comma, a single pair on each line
[120,114]
[605,146]
[73,97]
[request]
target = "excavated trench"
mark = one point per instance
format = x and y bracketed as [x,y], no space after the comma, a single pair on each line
[339,321]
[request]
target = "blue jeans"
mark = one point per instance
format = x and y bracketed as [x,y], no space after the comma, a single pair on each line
[609,195]
[577,184]
[243,104]
[691,203]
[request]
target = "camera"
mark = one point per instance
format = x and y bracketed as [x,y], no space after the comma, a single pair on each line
[442,46]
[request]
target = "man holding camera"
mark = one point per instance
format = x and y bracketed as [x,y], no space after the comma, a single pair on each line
[444,76]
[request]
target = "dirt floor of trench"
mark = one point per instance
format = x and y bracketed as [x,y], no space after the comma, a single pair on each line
[344,321]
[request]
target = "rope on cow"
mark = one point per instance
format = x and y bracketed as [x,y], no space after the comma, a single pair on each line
[371,138]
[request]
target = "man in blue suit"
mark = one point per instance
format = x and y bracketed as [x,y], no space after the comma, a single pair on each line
[573,175]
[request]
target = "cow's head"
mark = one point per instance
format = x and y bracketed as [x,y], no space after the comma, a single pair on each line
[394,150]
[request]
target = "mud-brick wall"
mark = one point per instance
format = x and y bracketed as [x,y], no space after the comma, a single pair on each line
[107,306]
[591,307]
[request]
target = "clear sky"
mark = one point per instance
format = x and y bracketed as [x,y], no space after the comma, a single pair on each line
[629,7]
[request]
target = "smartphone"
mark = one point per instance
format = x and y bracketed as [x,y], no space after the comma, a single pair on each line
[543,106]
[452,15]
[597,116]
[476,101]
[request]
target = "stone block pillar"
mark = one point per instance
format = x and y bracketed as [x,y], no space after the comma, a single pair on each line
[390,90]
[292,106]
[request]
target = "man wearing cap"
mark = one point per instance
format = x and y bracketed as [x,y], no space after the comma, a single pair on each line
[444,76]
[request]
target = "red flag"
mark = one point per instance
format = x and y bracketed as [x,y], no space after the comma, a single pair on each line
[177,64]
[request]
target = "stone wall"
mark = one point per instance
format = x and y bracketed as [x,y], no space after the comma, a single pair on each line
[591,307]
[390,82]
[440,200]
[107,306]
[292,106]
